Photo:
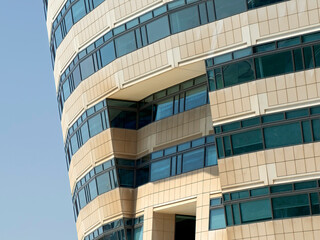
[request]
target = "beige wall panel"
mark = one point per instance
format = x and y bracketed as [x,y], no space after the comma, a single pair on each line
[274,94]
[304,228]
[174,130]
[91,154]
[99,21]
[273,166]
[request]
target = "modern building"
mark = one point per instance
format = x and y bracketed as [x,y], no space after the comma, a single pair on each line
[190,119]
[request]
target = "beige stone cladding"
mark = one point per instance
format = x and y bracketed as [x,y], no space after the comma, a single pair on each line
[107,207]
[273,166]
[132,144]
[304,228]
[264,96]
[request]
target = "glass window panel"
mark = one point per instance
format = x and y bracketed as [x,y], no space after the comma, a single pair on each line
[239,195]
[82,198]
[274,64]
[184,146]
[305,185]
[251,122]
[315,110]
[229,215]
[255,211]
[273,118]
[58,35]
[315,206]
[173,166]
[159,11]
[316,129]
[215,202]
[107,54]
[103,183]
[198,142]
[259,192]
[226,197]
[236,214]
[217,219]
[242,53]
[230,126]
[289,42]
[196,97]
[210,8]
[158,29]
[169,151]
[290,206]
[247,141]
[84,132]
[307,137]
[308,59]
[126,177]
[184,19]
[145,116]
[93,189]
[227,8]
[138,233]
[68,20]
[193,160]
[74,144]
[142,175]
[160,169]
[298,59]
[311,37]
[259,3]
[283,135]
[203,13]
[76,76]
[95,125]
[179,164]
[265,47]
[157,154]
[223,58]
[297,113]
[145,17]
[163,109]
[122,119]
[87,67]
[211,156]
[281,188]
[97,3]
[66,90]
[316,50]
[227,146]
[78,10]
[220,147]
[175,4]
[125,43]
[218,78]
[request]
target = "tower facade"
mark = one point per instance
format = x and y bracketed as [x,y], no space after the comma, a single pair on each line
[189,119]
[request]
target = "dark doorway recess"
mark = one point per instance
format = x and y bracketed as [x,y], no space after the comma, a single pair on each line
[185,227]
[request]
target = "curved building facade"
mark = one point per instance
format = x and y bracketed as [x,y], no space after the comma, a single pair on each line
[189,119]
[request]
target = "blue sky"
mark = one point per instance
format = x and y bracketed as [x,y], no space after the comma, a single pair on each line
[35,198]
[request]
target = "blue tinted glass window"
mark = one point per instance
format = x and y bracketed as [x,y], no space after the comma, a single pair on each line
[184,19]
[87,67]
[193,160]
[107,54]
[274,64]
[238,73]
[160,169]
[76,76]
[281,188]
[125,44]
[68,20]
[163,109]
[93,189]
[158,29]
[290,206]
[217,219]
[211,156]
[315,205]
[58,35]
[66,90]
[82,198]
[227,8]
[103,183]
[138,233]
[97,3]
[74,144]
[196,97]
[198,142]
[255,210]
[95,125]
[247,141]
[283,135]
[316,129]
[78,10]
[126,177]
[259,191]
[85,132]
